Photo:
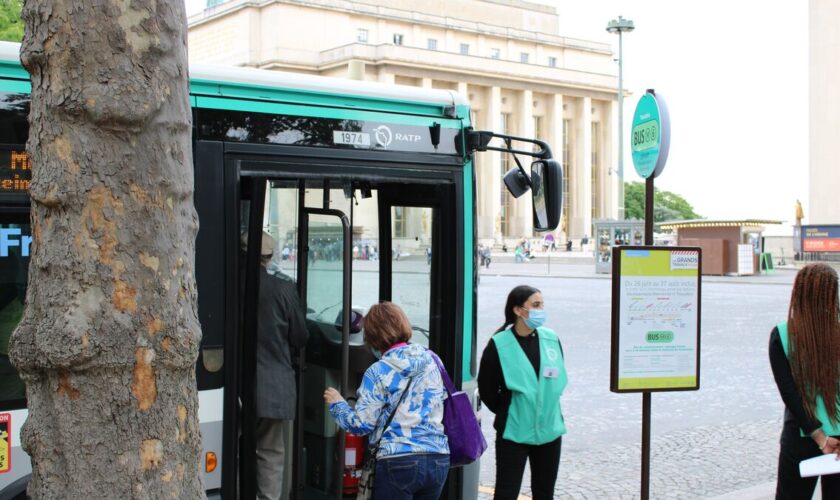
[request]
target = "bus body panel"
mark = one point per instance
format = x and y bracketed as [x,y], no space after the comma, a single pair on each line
[317,98]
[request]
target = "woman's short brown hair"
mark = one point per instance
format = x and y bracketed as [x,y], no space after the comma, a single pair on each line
[385,325]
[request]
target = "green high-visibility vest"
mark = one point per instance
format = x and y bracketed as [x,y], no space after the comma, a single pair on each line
[534,416]
[830,427]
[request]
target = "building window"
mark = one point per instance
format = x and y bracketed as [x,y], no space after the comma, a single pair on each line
[505,203]
[567,175]
[552,62]
[495,53]
[362,35]
[465,49]
[399,222]
[431,44]
[523,57]
[596,168]
[398,39]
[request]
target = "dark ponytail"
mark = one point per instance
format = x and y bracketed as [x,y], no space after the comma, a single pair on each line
[516,298]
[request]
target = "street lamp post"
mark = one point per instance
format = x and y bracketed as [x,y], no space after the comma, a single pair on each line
[620,26]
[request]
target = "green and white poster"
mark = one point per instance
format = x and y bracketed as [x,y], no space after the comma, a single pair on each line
[656,319]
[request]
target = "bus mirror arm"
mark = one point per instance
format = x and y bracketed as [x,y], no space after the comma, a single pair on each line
[545,181]
[479,140]
[517,180]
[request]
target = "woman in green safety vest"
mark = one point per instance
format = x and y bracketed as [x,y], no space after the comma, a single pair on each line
[521,378]
[805,358]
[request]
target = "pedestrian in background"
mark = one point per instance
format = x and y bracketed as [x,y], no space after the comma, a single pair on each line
[413,451]
[521,378]
[805,358]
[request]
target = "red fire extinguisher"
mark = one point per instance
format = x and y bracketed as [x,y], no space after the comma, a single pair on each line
[354,451]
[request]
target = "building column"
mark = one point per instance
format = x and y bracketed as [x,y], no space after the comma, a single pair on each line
[426,83]
[490,184]
[464,91]
[254,38]
[582,193]
[356,69]
[522,222]
[555,141]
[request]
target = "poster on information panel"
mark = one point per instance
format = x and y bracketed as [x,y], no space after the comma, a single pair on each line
[655,319]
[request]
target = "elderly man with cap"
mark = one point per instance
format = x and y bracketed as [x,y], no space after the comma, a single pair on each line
[281,330]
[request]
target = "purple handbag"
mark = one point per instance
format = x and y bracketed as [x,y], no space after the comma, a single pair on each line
[466,442]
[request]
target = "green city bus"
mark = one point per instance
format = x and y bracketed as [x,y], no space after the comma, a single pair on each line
[368,191]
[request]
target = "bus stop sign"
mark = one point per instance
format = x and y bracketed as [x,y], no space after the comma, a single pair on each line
[650,135]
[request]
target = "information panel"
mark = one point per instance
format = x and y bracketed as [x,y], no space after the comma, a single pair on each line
[655,319]
[821,238]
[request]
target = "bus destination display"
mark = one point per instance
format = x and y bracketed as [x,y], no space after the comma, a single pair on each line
[15,171]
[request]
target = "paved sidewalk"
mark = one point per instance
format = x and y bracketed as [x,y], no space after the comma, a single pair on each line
[683,464]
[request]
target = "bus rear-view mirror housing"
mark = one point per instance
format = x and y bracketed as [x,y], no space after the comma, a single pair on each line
[547,193]
[546,185]
[545,181]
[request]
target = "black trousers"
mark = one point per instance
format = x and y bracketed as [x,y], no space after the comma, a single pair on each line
[789,485]
[510,465]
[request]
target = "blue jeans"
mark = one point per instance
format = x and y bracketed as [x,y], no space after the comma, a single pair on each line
[416,476]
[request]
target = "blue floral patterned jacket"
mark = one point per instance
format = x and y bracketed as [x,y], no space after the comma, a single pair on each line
[417,426]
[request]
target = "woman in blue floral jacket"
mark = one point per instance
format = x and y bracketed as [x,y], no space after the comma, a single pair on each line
[413,457]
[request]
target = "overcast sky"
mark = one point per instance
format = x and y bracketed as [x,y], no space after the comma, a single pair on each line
[735,76]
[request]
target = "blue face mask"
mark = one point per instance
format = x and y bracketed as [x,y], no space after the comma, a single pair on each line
[536,318]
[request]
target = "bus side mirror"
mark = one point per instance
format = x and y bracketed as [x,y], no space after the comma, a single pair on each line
[547,192]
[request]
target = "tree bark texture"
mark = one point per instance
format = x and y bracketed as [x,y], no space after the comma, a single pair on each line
[110,335]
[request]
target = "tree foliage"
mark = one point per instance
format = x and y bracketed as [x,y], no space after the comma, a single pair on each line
[666,205]
[11,25]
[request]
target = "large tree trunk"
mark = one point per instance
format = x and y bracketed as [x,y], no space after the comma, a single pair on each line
[109,339]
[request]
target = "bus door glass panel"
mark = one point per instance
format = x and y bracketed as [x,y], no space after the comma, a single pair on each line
[280,221]
[278,224]
[324,280]
[411,269]
[15,240]
[359,202]
[365,224]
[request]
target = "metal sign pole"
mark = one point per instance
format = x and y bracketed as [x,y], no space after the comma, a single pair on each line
[646,395]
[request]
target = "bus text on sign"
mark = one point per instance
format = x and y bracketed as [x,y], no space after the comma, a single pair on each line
[645,135]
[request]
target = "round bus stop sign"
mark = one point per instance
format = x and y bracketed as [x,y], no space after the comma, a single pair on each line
[651,135]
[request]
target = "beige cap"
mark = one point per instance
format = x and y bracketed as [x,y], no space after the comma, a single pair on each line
[267,247]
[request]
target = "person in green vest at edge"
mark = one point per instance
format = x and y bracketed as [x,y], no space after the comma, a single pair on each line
[521,378]
[805,358]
